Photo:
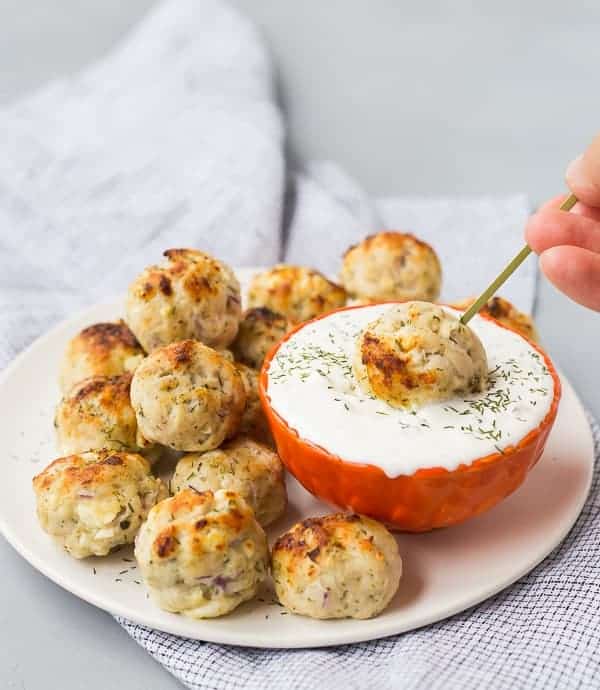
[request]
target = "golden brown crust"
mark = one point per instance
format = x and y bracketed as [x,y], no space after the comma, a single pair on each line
[103,337]
[97,413]
[336,566]
[198,534]
[202,553]
[260,329]
[178,355]
[391,266]
[102,349]
[190,295]
[387,371]
[390,238]
[307,538]
[113,390]
[416,353]
[506,313]
[95,501]
[263,315]
[78,470]
[297,292]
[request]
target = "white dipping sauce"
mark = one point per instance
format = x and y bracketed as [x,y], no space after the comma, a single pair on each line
[312,386]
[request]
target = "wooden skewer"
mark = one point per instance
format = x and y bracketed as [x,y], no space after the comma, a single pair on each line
[491,289]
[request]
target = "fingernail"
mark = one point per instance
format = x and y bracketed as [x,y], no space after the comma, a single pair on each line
[575,174]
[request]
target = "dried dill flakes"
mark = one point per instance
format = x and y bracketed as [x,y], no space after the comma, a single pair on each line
[516,386]
[308,359]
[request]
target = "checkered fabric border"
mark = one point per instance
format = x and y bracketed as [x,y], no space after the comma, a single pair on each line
[543,632]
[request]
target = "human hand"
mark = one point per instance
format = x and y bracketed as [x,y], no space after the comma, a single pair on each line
[569,243]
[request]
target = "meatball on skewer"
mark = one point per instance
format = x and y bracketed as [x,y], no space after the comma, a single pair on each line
[93,502]
[188,397]
[242,465]
[416,353]
[103,349]
[190,295]
[391,266]
[337,566]
[297,292]
[202,553]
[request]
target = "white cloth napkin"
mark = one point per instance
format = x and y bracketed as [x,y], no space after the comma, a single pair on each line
[475,238]
[175,140]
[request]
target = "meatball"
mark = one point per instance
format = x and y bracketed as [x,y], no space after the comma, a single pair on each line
[188,397]
[104,349]
[337,566]
[190,295]
[95,501]
[259,331]
[507,314]
[228,354]
[202,553]
[97,413]
[391,266]
[254,421]
[297,292]
[416,353]
[249,468]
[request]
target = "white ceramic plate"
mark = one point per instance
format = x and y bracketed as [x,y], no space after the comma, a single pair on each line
[445,571]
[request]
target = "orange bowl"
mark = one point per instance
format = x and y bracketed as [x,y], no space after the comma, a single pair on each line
[427,499]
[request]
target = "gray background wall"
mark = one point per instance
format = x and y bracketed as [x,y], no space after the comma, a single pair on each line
[436,97]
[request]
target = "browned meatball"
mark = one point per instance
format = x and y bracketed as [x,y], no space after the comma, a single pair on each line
[416,353]
[103,349]
[97,413]
[391,266]
[259,331]
[188,397]
[190,295]
[297,292]
[336,566]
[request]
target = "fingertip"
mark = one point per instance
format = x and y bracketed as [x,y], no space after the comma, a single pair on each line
[583,180]
[534,232]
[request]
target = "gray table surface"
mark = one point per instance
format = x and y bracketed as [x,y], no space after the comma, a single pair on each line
[425,98]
